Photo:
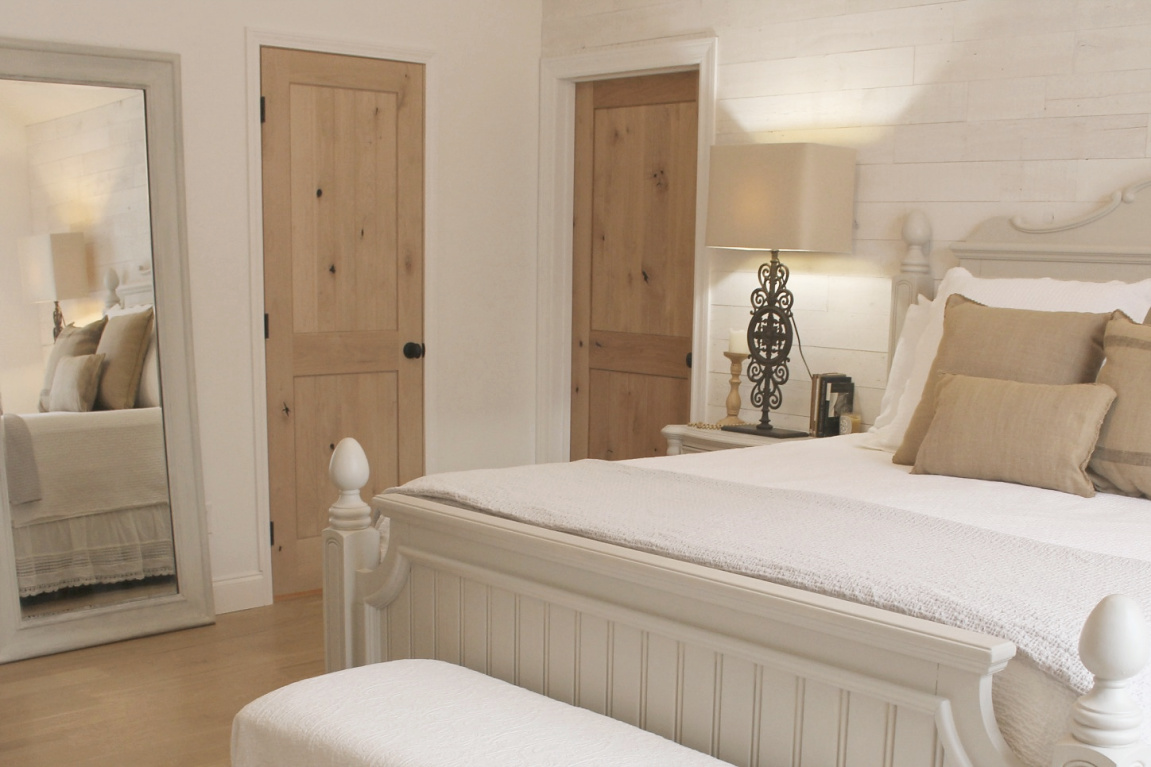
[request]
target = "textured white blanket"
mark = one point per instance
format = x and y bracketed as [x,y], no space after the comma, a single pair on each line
[1033,593]
[90,463]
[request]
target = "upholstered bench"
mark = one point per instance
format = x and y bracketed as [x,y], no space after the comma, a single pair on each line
[423,713]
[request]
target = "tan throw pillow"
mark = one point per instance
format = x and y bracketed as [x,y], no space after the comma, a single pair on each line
[72,342]
[1122,460]
[75,383]
[1011,345]
[1031,434]
[124,344]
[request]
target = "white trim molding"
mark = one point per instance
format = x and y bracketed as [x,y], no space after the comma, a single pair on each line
[558,77]
[255,39]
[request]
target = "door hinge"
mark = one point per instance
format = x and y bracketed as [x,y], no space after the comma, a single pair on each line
[265,326]
[272,533]
[263,110]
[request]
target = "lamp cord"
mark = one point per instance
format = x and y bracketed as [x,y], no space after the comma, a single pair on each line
[799,343]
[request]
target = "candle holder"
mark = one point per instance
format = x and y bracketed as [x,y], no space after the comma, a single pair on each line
[733,401]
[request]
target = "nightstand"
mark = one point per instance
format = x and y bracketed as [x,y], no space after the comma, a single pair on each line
[691,439]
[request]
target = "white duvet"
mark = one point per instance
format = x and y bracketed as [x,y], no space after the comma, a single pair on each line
[897,542]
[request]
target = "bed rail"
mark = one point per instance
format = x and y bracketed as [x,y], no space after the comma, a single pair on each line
[705,668]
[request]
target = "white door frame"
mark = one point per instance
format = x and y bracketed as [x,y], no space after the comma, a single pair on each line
[255,588]
[558,78]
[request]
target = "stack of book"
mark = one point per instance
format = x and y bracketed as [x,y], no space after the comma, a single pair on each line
[831,397]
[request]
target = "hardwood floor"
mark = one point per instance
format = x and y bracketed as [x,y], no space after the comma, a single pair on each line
[162,700]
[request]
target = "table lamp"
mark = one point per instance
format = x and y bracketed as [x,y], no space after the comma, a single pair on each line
[54,269]
[778,197]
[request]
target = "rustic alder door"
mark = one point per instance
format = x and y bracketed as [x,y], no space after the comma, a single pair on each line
[343,181]
[633,262]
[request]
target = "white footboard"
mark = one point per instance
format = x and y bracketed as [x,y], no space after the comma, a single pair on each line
[748,671]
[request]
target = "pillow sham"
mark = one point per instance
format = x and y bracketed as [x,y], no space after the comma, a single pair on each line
[124,343]
[1031,434]
[75,384]
[914,323]
[1122,459]
[148,393]
[72,342]
[1009,344]
[1042,294]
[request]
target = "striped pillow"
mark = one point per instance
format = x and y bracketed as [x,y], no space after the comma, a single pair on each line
[1122,459]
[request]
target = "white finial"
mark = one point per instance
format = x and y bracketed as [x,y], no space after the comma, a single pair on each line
[111,283]
[1114,646]
[349,472]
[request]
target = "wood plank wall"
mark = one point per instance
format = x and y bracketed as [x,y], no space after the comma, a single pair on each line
[962,108]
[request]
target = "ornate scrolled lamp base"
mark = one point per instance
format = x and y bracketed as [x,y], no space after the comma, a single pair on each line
[769,338]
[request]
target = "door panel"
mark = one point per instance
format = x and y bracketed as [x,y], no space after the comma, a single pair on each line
[633,262]
[642,404]
[343,281]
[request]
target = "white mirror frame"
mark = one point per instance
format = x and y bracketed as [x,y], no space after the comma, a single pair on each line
[158,75]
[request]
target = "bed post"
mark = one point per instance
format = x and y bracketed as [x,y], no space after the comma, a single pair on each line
[1106,722]
[914,276]
[351,543]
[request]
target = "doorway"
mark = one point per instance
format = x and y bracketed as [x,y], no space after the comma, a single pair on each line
[343,223]
[633,262]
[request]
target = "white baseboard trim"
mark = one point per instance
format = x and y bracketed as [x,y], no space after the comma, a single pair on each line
[242,592]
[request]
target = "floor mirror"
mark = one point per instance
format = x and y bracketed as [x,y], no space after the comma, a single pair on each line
[102,524]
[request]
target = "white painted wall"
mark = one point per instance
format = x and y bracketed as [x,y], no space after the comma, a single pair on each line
[21,367]
[480,266]
[962,108]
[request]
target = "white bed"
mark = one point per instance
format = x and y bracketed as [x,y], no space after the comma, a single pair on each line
[660,624]
[86,493]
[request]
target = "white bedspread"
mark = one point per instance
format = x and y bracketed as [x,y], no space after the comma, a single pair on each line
[1015,562]
[91,463]
[433,714]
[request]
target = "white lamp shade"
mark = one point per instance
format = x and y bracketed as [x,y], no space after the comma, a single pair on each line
[798,197]
[53,266]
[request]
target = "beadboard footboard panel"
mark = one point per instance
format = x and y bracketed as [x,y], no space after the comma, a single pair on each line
[750,672]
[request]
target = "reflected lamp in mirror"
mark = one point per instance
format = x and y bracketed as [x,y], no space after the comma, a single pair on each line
[773,197]
[53,269]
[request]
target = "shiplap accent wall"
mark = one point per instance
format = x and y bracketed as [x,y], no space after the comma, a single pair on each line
[88,172]
[963,109]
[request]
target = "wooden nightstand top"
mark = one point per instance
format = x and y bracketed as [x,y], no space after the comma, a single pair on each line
[682,438]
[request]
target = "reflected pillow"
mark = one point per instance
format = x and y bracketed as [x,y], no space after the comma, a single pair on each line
[1031,434]
[75,384]
[148,394]
[1122,459]
[124,344]
[72,342]
[1008,344]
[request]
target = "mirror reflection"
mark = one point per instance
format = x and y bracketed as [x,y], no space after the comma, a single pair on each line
[83,436]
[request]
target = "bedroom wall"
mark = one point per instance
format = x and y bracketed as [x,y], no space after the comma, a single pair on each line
[88,172]
[480,304]
[963,109]
[21,367]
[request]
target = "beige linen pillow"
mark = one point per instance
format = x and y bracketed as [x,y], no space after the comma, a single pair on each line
[124,343]
[1122,460]
[72,342]
[1031,434]
[1011,345]
[75,383]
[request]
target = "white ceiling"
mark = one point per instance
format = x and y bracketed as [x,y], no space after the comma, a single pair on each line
[28,103]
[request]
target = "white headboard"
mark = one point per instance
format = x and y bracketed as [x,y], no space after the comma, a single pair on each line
[1112,243]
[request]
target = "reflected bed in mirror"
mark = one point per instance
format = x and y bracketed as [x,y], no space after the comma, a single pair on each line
[103,534]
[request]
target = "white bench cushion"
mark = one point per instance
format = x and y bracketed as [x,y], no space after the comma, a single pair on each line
[420,713]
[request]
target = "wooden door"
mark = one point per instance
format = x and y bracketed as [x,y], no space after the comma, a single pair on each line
[633,262]
[343,180]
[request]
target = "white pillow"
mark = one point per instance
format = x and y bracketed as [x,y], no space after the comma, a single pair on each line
[914,323]
[1040,294]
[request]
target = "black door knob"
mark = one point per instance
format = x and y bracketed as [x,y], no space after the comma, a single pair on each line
[413,351]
